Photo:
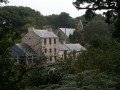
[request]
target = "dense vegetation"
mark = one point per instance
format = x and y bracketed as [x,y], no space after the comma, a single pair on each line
[97,68]
[23,17]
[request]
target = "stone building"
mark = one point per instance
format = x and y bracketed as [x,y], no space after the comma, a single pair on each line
[43,41]
[64,33]
[65,49]
[24,54]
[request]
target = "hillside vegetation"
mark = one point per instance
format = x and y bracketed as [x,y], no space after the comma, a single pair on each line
[97,68]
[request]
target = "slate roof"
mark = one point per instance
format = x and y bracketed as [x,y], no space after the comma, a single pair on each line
[75,47]
[22,50]
[67,30]
[63,47]
[45,33]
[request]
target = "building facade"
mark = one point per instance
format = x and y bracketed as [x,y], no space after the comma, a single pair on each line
[43,41]
[65,49]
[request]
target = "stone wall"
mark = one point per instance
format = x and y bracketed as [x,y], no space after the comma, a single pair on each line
[50,50]
[33,41]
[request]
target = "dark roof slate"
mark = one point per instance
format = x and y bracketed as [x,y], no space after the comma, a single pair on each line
[22,49]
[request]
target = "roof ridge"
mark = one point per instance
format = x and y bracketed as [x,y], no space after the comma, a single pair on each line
[45,33]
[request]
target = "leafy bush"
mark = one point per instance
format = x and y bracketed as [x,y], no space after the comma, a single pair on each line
[45,76]
[105,57]
[96,80]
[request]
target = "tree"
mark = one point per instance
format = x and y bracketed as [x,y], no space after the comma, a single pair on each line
[7,36]
[76,37]
[112,7]
[96,29]
[10,73]
[21,17]
[3,1]
[61,20]
[96,80]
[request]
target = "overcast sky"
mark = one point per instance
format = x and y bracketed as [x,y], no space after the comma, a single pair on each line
[49,7]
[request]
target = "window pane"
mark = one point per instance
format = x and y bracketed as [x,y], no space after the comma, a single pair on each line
[50,50]
[50,58]
[45,41]
[55,57]
[54,41]
[55,50]
[45,50]
[49,40]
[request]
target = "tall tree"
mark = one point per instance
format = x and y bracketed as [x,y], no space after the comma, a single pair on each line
[21,17]
[61,20]
[96,29]
[112,7]
[5,1]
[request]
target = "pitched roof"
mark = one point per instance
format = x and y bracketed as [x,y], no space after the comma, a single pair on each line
[44,33]
[63,47]
[68,31]
[22,50]
[75,47]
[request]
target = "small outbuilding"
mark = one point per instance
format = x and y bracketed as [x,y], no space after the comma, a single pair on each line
[24,53]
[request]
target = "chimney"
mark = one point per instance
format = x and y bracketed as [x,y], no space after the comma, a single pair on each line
[30,29]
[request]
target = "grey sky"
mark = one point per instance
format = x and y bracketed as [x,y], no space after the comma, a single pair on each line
[48,7]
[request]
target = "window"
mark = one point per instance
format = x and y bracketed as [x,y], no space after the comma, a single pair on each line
[45,41]
[54,50]
[49,40]
[45,50]
[50,58]
[50,50]
[55,58]
[54,41]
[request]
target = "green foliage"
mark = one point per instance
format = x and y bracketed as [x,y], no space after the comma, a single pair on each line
[61,20]
[44,76]
[112,8]
[89,15]
[96,80]
[7,70]
[21,17]
[96,29]
[76,37]
[3,1]
[24,17]
[67,65]
[104,56]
